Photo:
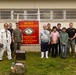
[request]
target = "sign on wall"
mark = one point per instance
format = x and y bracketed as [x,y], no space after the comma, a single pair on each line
[30,30]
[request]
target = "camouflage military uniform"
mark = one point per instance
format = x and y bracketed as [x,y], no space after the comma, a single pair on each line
[17,34]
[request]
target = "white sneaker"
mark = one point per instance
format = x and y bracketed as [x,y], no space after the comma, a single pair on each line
[42,57]
[73,56]
[0,59]
[47,57]
[10,59]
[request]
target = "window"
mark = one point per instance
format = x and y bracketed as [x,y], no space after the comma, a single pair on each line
[44,14]
[20,12]
[5,14]
[35,14]
[57,14]
[70,14]
[31,14]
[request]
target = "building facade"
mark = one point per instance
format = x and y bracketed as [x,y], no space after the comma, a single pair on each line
[46,11]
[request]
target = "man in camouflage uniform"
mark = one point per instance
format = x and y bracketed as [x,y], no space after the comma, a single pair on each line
[17,37]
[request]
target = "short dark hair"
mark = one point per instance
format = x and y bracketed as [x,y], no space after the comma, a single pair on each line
[58,24]
[17,23]
[48,24]
[70,23]
[54,27]
[63,28]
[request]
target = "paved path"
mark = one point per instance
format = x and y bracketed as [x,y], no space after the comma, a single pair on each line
[31,48]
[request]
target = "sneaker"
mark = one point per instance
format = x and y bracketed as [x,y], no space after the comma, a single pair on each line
[67,55]
[42,57]
[10,59]
[0,60]
[47,57]
[73,56]
[64,57]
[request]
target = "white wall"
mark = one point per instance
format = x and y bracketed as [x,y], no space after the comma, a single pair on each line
[52,4]
[28,4]
[63,24]
[33,4]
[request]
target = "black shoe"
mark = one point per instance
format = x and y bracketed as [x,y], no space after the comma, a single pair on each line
[64,57]
[53,56]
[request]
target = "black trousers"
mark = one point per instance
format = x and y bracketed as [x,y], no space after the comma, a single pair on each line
[54,50]
[49,46]
[59,48]
[44,46]
[12,47]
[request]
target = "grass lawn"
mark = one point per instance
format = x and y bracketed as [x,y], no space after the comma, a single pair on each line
[37,66]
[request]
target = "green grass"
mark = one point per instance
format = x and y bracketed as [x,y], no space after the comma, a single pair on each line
[37,66]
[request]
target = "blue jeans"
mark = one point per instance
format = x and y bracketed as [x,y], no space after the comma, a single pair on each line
[63,51]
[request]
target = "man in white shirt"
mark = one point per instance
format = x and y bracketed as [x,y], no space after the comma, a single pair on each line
[5,39]
[45,41]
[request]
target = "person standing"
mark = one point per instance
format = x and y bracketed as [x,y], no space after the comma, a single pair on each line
[71,43]
[44,41]
[63,43]
[11,31]
[5,41]
[59,30]
[17,37]
[54,37]
[49,29]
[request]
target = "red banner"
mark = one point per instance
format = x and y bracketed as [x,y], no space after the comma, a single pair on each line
[30,30]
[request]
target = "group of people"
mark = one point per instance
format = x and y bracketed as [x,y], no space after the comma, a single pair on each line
[10,40]
[53,41]
[58,41]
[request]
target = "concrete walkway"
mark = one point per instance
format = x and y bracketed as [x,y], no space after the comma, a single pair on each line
[33,48]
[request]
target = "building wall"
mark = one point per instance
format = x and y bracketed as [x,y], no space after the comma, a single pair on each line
[64,24]
[41,4]
[33,4]
[53,4]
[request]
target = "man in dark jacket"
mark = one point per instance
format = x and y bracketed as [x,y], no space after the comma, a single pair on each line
[59,30]
[49,29]
[71,42]
[11,31]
